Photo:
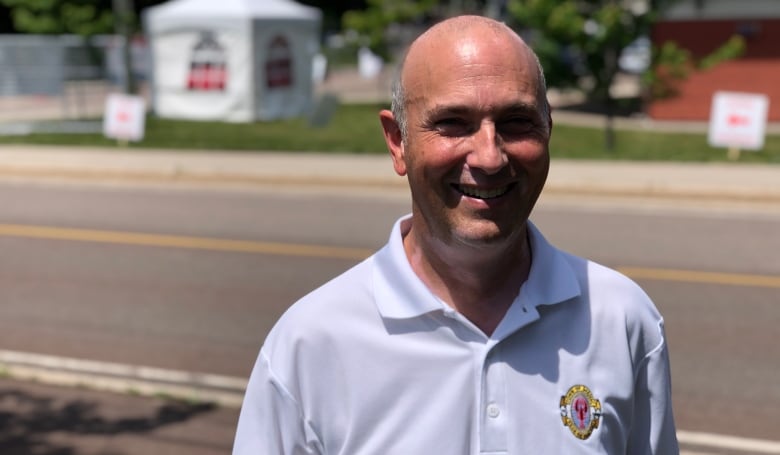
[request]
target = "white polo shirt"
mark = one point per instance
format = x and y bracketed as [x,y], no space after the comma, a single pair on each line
[373,363]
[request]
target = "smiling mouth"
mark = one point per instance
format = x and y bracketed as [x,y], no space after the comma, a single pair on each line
[481,193]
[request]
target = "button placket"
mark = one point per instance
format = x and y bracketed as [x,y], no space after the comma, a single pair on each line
[493,437]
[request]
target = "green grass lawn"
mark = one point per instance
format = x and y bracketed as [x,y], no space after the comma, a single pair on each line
[588,143]
[355,129]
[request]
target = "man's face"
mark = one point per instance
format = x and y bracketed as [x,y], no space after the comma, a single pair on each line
[476,153]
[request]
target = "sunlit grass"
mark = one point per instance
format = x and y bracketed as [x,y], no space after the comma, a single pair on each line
[356,129]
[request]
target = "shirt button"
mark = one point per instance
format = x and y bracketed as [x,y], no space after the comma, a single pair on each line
[493,410]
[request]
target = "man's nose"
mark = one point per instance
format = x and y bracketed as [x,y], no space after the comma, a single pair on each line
[487,153]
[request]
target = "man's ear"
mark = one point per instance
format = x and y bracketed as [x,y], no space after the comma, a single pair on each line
[394,141]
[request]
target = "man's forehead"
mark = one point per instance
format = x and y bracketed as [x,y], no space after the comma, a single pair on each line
[469,45]
[467,76]
[474,51]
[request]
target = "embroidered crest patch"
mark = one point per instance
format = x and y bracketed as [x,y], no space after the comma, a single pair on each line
[580,411]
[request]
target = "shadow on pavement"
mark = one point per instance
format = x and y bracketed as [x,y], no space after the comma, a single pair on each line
[36,424]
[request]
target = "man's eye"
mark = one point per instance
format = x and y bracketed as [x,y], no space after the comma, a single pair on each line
[453,126]
[515,125]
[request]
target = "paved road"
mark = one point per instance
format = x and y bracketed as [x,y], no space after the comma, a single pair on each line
[742,201]
[624,235]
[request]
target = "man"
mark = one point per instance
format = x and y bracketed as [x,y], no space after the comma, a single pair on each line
[467,333]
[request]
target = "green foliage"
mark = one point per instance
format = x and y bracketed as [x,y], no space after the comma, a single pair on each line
[372,22]
[672,64]
[732,49]
[580,39]
[82,17]
[579,43]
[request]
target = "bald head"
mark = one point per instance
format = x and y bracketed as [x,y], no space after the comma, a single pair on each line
[442,39]
[463,24]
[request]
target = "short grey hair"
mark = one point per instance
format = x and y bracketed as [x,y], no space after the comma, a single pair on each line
[398,101]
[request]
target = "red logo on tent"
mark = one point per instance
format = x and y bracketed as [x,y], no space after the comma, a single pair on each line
[208,68]
[278,67]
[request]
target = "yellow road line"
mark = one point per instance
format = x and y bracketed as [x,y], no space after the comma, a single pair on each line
[301,250]
[694,276]
[177,241]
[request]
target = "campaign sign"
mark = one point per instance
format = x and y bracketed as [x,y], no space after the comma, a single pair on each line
[738,120]
[124,117]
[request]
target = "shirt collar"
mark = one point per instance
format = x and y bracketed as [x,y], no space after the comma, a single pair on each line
[400,293]
[551,279]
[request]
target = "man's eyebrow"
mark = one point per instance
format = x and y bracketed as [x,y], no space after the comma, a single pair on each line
[526,108]
[463,109]
[447,109]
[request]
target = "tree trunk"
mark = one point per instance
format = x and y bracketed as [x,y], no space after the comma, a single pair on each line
[123,14]
[609,123]
[610,71]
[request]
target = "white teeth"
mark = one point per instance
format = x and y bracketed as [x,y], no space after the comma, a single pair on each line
[475,192]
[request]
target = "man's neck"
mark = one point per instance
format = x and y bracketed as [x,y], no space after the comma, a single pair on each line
[479,282]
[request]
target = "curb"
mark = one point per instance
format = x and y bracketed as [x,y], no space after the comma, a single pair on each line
[130,379]
[712,182]
[636,190]
[181,175]
[657,192]
[557,187]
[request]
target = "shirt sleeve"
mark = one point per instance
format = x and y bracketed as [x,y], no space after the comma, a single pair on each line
[271,421]
[653,429]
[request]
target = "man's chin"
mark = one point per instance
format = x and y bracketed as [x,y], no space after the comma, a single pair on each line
[483,235]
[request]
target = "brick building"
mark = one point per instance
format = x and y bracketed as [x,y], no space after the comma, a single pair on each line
[701,27]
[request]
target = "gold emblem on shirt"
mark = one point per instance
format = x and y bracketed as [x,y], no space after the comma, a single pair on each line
[580,411]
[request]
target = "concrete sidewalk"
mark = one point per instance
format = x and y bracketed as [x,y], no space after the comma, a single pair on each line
[724,182]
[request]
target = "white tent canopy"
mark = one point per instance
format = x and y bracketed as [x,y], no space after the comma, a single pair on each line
[232,60]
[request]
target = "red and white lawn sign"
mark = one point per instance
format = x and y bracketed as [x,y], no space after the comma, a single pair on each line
[738,121]
[124,117]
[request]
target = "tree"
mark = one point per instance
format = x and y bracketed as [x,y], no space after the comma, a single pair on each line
[672,64]
[332,11]
[124,18]
[372,23]
[579,43]
[82,17]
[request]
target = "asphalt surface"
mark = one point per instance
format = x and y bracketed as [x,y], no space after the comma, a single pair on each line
[40,417]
